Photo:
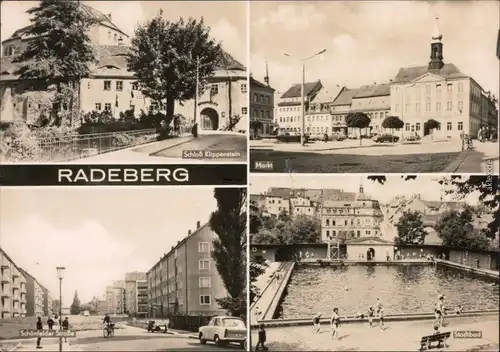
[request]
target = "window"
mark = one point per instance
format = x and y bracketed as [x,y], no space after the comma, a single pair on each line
[460,87]
[460,106]
[244,110]
[438,88]
[243,88]
[449,88]
[448,106]
[407,126]
[428,90]
[448,126]
[214,89]
[438,107]
[204,282]
[98,106]
[407,107]
[107,106]
[109,34]
[107,85]
[327,222]
[428,107]
[417,126]
[135,86]
[203,247]
[204,264]
[205,300]
[119,86]
[396,108]
[89,85]
[460,126]
[327,233]
[115,37]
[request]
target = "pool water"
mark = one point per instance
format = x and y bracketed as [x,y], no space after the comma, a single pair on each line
[401,289]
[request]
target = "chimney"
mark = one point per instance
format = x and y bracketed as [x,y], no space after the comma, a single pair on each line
[197,225]
[189,232]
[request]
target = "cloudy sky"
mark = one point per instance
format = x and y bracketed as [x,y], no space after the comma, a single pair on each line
[426,185]
[98,234]
[369,41]
[227,19]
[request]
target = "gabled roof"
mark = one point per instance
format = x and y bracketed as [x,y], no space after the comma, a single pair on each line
[345,97]
[327,95]
[361,240]
[279,192]
[309,88]
[254,82]
[409,74]
[373,90]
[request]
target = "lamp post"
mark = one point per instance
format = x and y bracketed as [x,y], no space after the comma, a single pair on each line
[302,93]
[60,275]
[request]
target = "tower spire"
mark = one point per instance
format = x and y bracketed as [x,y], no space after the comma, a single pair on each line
[436,35]
[436,62]
[361,189]
[266,78]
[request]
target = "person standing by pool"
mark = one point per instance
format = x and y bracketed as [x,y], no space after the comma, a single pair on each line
[317,322]
[335,323]
[439,311]
[371,313]
[381,317]
[378,304]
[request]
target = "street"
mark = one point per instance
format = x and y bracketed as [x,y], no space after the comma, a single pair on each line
[211,142]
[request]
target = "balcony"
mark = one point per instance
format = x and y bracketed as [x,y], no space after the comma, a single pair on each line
[5,266]
[5,295]
[5,279]
[15,276]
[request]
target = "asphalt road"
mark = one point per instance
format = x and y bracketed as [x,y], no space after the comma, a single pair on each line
[212,142]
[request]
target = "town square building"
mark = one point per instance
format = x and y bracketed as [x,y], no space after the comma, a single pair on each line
[261,107]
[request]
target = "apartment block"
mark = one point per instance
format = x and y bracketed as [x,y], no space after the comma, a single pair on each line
[134,284]
[116,298]
[47,302]
[12,289]
[34,296]
[185,280]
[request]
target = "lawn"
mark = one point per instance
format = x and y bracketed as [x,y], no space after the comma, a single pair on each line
[349,163]
[9,328]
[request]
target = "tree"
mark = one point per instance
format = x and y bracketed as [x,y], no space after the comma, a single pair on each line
[358,120]
[75,306]
[60,51]
[410,228]
[256,222]
[392,122]
[229,248]
[258,267]
[164,57]
[264,236]
[485,186]
[303,229]
[456,229]
[431,125]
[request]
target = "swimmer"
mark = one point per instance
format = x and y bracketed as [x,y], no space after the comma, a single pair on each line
[371,314]
[458,310]
[317,322]
[335,323]
[378,304]
[381,317]
[439,311]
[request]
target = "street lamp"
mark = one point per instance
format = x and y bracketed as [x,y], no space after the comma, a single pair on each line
[60,275]
[302,133]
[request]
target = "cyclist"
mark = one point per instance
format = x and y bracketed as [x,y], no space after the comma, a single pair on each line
[107,321]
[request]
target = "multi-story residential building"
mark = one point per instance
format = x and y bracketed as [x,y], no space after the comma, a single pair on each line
[34,296]
[47,302]
[56,306]
[112,87]
[13,288]
[278,200]
[261,107]
[289,110]
[350,218]
[185,280]
[319,118]
[116,298]
[375,101]
[339,108]
[133,285]
[102,307]
[441,92]
[301,205]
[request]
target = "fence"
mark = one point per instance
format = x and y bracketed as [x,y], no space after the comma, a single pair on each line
[189,322]
[82,146]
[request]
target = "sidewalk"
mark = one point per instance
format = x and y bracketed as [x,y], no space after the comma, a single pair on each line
[482,159]
[46,346]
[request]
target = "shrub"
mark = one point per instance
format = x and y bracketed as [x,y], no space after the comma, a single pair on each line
[19,143]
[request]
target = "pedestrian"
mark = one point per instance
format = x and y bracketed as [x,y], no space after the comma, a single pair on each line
[50,323]
[262,338]
[381,318]
[194,130]
[39,328]
[371,314]
[335,323]
[65,326]
[477,262]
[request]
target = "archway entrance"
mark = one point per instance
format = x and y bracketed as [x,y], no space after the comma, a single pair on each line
[209,119]
[370,254]
[426,129]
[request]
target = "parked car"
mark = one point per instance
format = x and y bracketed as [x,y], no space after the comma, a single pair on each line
[381,138]
[352,136]
[224,330]
[412,138]
[338,137]
[290,138]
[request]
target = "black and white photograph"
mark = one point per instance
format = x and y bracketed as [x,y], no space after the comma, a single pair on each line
[124,269]
[374,86]
[117,82]
[374,263]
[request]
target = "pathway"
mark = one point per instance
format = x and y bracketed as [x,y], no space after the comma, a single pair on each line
[488,272]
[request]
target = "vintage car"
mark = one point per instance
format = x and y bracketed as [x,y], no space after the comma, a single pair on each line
[380,138]
[224,330]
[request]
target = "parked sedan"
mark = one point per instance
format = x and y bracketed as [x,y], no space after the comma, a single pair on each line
[224,330]
[385,138]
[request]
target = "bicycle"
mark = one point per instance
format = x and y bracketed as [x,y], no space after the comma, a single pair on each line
[109,330]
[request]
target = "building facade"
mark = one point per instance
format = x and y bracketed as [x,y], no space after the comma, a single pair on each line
[47,302]
[370,248]
[261,107]
[342,219]
[116,298]
[185,280]
[289,107]
[339,108]
[133,285]
[34,296]
[375,101]
[12,290]
[318,115]
[440,91]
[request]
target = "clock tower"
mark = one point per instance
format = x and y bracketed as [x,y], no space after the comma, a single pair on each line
[436,62]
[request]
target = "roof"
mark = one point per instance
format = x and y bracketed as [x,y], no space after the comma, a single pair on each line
[360,240]
[279,192]
[254,82]
[373,90]
[309,88]
[345,97]
[409,74]
[111,61]
[93,13]
[327,95]
[9,259]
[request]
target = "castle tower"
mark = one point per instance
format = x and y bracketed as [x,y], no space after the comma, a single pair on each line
[436,62]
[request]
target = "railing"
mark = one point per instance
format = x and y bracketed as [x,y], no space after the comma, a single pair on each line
[81,146]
